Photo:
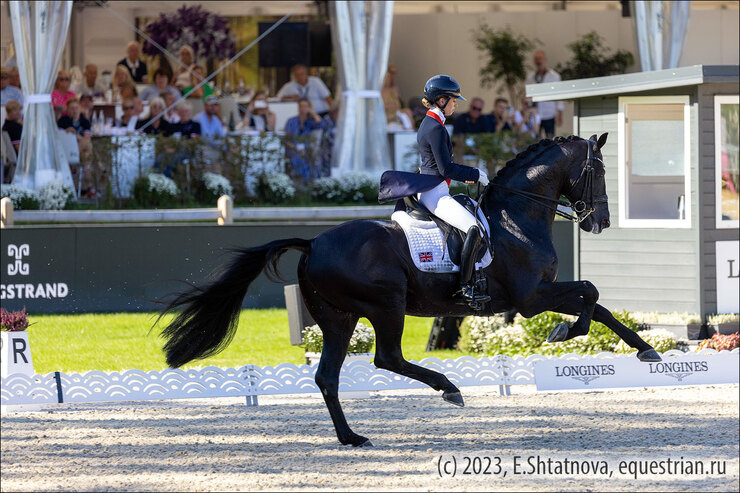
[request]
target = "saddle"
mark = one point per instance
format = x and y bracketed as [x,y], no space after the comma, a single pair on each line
[435,245]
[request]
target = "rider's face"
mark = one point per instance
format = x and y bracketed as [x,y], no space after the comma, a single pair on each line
[451,106]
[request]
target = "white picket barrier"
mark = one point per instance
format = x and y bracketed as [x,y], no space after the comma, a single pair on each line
[251,381]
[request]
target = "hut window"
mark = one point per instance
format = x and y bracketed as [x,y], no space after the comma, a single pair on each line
[727,175]
[654,181]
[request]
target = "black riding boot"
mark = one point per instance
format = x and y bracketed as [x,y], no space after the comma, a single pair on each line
[470,293]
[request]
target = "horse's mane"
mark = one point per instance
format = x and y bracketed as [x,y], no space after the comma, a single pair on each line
[532,152]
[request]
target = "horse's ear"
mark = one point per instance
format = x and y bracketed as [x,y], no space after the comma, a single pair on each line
[602,140]
[593,137]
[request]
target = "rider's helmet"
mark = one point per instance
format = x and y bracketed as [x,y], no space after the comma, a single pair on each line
[441,85]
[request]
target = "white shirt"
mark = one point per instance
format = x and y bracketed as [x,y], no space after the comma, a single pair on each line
[529,125]
[314,90]
[439,113]
[546,109]
[81,88]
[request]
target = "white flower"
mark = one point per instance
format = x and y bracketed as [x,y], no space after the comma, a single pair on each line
[660,339]
[217,184]
[666,318]
[362,339]
[161,184]
[55,195]
[280,185]
[327,189]
[18,194]
[352,185]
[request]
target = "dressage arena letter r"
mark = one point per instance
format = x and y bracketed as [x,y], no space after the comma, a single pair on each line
[19,347]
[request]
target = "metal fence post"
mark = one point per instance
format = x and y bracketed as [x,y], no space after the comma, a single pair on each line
[225,210]
[6,213]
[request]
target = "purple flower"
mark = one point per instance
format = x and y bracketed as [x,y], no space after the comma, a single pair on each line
[167,29]
[13,321]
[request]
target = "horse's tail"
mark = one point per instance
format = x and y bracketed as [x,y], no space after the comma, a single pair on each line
[208,316]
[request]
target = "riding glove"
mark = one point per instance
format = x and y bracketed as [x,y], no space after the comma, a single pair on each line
[483,178]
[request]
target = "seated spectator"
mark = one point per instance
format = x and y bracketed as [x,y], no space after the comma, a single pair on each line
[187,58]
[308,87]
[73,120]
[418,110]
[503,119]
[90,83]
[15,79]
[171,115]
[258,116]
[161,84]
[121,77]
[527,119]
[395,114]
[186,126]
[135,67]
[61,92]
[129,119]
[472,122]
[13,124]
[86,105]
[299,126]
[196,77]
[8,92]
[329,124]
[155,124]
[210,124]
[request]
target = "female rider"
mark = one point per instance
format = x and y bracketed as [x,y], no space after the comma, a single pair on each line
[441,93]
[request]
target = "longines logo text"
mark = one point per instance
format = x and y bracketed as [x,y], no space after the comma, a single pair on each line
[679,369]
[27,290]
[584,373]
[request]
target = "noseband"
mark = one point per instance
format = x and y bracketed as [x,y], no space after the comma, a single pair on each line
[583,207]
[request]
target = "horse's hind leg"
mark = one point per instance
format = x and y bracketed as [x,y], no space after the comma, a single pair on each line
[388,355]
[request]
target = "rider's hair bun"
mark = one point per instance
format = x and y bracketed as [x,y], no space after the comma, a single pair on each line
[426,103]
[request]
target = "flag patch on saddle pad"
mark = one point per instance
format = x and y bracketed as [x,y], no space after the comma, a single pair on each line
[426,256]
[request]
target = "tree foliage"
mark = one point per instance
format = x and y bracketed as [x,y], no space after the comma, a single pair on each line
[592,59]
[505,52]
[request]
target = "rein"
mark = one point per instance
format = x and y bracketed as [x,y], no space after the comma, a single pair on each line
[582,208]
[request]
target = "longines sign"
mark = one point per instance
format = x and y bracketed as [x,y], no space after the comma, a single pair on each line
[600,373]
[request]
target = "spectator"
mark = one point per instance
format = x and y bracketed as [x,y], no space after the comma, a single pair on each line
[13,124]
[196,77]
[128,91]
[129,119]
[551,112]
[90,83]
[15,79]
[186,127]
[155,125]
[161,84]
[135,67]
[61,92]
[299,127]
[329,124]
[121,77]
[308,87]
[171,115]
[187,58]
[502,116]
[394,112]
[258,116]
[8,92]
[86,105]
[527,119]
[472,122]
[74,121]
[210,124]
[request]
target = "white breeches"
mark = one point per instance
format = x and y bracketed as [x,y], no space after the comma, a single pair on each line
[439,201]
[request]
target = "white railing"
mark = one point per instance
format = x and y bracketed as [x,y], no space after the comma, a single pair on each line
[251,381]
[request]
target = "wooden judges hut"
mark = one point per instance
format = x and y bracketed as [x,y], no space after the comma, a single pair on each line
[672,180]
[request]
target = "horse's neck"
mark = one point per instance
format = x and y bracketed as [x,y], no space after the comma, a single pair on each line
[527,217]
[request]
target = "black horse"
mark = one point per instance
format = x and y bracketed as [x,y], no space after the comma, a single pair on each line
[363,268]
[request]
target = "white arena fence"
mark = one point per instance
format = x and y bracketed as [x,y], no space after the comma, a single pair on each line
[251,381]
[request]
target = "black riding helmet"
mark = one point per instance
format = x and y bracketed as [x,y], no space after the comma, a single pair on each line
[442,86]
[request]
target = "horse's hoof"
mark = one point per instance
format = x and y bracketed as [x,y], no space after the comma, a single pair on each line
[454,398]
[559,333]
[366,444]
[649,356]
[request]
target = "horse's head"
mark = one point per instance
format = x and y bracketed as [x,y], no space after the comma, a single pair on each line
[587,191]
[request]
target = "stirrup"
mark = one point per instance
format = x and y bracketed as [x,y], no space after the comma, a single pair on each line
[469,295]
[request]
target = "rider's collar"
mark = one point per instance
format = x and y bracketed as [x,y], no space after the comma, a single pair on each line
[439,113]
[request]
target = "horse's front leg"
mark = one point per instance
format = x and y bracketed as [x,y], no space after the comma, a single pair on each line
[552,295]
[645,351]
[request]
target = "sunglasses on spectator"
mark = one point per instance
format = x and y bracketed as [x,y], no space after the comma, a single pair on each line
[63,78]
[128,107]
[477,108]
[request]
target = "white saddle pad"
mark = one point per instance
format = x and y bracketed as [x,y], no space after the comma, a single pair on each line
[426,244]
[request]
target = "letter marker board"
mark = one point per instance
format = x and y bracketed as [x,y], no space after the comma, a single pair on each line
[603,373]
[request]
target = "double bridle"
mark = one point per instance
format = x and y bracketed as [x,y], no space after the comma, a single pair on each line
[583,207]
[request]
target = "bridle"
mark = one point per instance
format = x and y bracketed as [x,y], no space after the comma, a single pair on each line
[583,207]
